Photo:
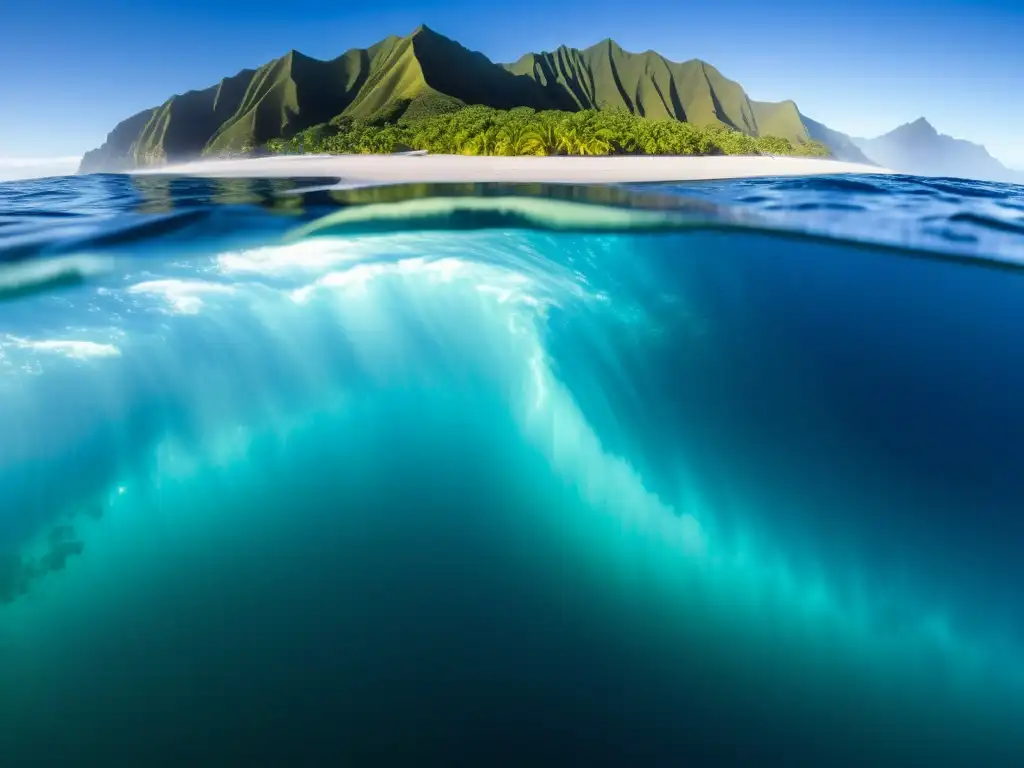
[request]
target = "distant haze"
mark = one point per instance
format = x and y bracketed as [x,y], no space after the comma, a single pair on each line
[918,148]
[13,168]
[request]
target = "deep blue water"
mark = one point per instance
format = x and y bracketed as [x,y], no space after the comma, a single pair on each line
[710,474]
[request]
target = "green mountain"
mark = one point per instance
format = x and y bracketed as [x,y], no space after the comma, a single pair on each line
[917,148]
[423,73]
[605,76]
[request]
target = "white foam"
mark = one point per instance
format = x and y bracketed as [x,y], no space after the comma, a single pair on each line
[305,256]
[71,348]
[183,296]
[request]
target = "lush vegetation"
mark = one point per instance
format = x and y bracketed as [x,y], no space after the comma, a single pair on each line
[480,130]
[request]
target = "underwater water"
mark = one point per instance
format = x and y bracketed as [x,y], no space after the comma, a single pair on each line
[707,474]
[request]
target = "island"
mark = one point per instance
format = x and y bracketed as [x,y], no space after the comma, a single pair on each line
[427,92]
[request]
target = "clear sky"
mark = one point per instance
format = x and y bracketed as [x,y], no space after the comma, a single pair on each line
[73,69]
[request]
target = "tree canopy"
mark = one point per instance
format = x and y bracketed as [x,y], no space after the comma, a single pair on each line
[480,130]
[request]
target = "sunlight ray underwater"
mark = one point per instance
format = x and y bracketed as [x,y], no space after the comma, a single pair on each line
[651,487]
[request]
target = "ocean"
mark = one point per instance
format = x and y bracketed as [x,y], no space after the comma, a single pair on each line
[717,473]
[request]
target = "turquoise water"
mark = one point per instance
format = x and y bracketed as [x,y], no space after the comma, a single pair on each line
[714,474]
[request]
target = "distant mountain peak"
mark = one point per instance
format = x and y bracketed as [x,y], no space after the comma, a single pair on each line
[918,148]
[920,127]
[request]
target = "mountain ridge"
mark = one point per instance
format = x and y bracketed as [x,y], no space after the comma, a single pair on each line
[420,71]
[606,76]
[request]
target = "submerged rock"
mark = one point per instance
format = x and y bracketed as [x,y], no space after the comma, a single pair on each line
[56,558]
[18,573]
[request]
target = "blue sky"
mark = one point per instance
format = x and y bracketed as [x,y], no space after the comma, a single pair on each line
[72,70]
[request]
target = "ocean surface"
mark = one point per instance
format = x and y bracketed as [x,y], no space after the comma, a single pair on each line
[724,474]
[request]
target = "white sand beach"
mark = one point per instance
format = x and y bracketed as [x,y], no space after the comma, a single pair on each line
[392,169]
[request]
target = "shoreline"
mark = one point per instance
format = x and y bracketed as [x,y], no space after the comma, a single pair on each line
[372,170]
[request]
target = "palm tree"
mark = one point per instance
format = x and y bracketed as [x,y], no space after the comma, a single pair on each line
[568,138]
[583,134]
[483,143]
[546,131]
[481,130]
[517,138]
[593,140]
